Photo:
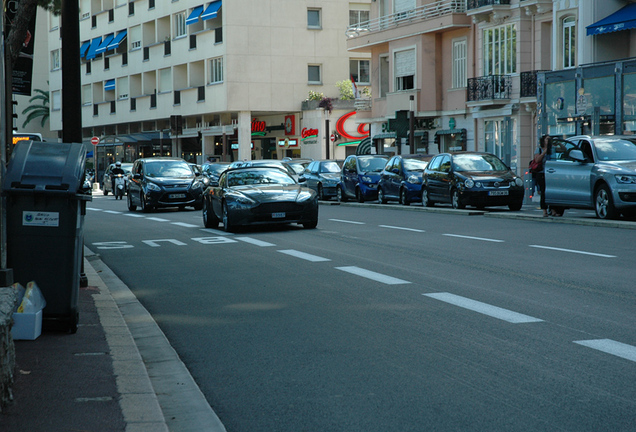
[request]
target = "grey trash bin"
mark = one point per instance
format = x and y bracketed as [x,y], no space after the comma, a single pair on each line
[46,205]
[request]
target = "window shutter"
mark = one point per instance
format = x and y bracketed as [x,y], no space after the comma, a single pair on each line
[404,63]
[404,5]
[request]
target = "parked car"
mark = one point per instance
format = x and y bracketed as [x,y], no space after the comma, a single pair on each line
[359,177]
[471,178]
[297,164]
[258,195]
[213,170]
[266,162]
[323,177]
[401,179]
[164,182]
[107,182]
[593,172]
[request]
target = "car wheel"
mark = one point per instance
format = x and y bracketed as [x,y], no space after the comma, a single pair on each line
[340,195]
[456,202]
[310,225]
[209,218]
[604,204]
[381,197]
[515,206]
[227,225]
[105,193]
[426,201]
[131,206]
[359,196]
[143,205]
[321,193]
[403,198]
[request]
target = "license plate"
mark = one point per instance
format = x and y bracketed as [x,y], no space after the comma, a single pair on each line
[278,215]
[498,193]
[175,196]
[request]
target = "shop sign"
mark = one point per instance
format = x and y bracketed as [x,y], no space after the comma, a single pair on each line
[258,128]
[309,134]
[363,128]
[290,125]
[288,143]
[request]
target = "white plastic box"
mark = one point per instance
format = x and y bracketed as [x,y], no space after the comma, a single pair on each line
[26,326]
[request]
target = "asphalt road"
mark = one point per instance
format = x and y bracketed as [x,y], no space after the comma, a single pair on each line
[389,320]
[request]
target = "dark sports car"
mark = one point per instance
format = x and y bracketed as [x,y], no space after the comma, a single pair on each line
[258,195]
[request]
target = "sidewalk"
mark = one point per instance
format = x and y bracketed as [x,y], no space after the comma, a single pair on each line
[117,373]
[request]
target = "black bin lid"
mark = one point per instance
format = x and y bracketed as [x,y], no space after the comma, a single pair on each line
[45,167]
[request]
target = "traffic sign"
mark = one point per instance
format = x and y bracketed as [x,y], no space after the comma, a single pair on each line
[95,140]
[332,137]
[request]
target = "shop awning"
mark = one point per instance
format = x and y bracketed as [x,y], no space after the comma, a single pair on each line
[385,135]
[117,40]
[90,54]
[102,46]
[84,47]
[109,85]
[622,19]
[194,15]
[211,11]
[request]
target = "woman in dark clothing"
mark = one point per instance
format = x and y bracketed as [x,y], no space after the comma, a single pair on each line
[541,155]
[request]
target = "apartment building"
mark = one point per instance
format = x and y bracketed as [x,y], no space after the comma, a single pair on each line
[194,79]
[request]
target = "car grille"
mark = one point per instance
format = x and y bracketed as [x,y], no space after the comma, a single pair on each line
[268,208]
[177,186]
[495,184]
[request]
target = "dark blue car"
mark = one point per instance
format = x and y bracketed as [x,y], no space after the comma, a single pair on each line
[401,179]
[360,176]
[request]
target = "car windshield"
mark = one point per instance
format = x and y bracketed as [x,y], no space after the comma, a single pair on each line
[258,177]
[371,164]
[615,149]
[168,169]
[297,166]
[415,164]
[216,168]
[478,162]
[329,167]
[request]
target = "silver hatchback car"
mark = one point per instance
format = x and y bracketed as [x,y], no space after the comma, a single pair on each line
[596,172]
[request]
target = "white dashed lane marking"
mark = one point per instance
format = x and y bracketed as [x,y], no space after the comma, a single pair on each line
[254,241]
[378,277]
[303,255]
[474,238]
[401,228]
[346,221]
[609,346]
[573,251]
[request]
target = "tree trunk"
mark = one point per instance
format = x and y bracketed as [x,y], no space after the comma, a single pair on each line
[25,10]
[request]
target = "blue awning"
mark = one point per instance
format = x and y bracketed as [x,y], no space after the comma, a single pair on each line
[622,19]
[84,47]
[211,10]
[117,40]
[104,44]
[110,85]
[94,45]
[194,15]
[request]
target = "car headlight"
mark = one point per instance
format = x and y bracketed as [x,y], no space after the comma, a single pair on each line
[469,183]
[153,187]
[518,181]
[197,185]
[367,179]
[413,179]
[625,179]
[303,196]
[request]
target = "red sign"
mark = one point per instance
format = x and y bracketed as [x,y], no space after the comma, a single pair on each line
[258,127]
[290,125]
[332,137]
[95,140]
[363,130]
[308,133]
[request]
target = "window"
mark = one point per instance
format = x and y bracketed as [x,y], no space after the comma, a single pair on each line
[383,79]
[313,74]
[569,42]
[135,37]
[358,16]
[359,71]
[54,22]
[56,100]
[459,63]
[404,5]
[314,19]
[87,95]
[165,80]
[122,88]
[404,69]
[55,59]
[498,136]
[180,24]
[216,70]
[500,50]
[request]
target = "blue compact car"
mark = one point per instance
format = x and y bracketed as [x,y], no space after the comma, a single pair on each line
[360,176]
[401,179]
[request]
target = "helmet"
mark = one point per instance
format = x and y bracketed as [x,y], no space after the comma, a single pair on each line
[118,164]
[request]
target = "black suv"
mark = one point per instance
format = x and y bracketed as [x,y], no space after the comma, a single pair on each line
[164,182]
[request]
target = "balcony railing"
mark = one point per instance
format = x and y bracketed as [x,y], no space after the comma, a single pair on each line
[431,10]
[528,84]
[491,87]
[474,4]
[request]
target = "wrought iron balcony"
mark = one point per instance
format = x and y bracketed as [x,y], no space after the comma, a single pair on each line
[474,4]
[491,87]
[528,84]
[424,12]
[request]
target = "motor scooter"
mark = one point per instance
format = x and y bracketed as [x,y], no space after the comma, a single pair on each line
[120,186]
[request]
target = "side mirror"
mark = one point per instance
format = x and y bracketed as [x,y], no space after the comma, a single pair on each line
[395,170]
[137,176]
[301,179]
[577,155]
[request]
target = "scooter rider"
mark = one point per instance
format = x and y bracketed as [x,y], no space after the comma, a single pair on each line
[117,170]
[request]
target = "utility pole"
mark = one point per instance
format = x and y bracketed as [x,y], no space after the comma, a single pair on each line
[6,132]
[412,124]
[71,76]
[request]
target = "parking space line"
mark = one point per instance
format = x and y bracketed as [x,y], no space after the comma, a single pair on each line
[346,221]
[184,224]
[303,255]
[474,238]
[158,219]
[401,228]
[483,308]
[94,209]
[609,346]
[573,251]
[133,215]
[112,212]
[378,277]
[254,241]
